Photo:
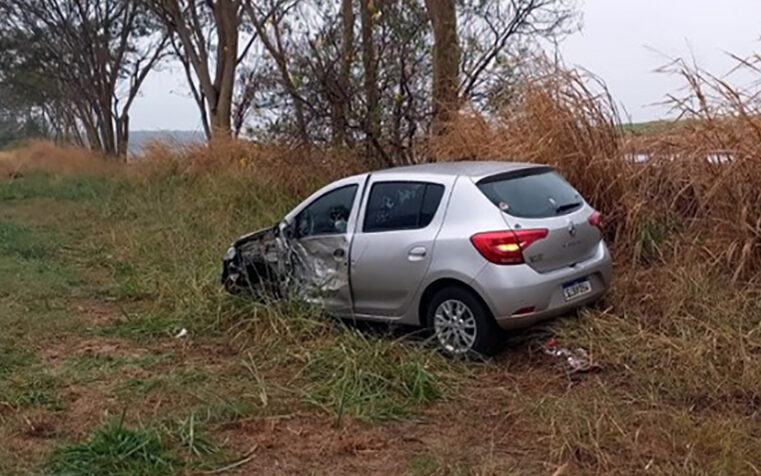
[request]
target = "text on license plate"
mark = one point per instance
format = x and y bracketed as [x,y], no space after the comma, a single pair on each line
[577,289]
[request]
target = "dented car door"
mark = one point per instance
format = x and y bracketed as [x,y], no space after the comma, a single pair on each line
[319,234]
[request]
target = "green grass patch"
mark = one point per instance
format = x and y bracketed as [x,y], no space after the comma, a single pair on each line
[12,358]
[25,382]
[116,449]
[30,264]
[192,436]
[373,378]
[21,241]
[33,386]
[142,323]
[175,380]
[168,446]
[41,184]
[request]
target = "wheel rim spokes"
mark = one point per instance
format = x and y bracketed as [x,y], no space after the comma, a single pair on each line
[455,326]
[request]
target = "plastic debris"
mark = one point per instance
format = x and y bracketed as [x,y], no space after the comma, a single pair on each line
[577,359]
[182,334]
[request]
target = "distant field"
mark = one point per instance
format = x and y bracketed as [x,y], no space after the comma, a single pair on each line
[646,128]
[100,268]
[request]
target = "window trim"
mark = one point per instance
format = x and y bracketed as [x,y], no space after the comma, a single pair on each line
[426,184]
[322,195]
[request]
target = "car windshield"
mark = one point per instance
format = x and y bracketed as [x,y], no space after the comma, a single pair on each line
[538,192]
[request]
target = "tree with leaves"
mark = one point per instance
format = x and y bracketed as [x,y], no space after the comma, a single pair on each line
[205,36]
[95,53]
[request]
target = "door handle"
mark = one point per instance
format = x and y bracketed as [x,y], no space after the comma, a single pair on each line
[417,253]
[339,253]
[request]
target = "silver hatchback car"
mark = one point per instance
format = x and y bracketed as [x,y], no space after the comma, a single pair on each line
[464,248]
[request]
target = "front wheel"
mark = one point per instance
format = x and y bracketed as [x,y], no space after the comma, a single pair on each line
[461,323]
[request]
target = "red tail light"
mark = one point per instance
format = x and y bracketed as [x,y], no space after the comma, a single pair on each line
[506,247]
[595,219]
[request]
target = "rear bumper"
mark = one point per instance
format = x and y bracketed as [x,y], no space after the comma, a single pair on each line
[509,289]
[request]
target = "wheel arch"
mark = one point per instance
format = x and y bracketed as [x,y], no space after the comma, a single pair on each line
[439,284]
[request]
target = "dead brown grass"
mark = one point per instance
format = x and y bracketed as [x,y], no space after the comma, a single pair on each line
[295,170]
[42,155]
[298,170]
[559,119]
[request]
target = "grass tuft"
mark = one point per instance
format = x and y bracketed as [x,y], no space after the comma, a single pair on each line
[117,450]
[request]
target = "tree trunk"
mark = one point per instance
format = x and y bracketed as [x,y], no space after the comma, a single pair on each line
[446,61]
[93,141]
[91,131]
[220,111]
[219,118]
[372,119]
[103,107]
[344,80]
[122,137]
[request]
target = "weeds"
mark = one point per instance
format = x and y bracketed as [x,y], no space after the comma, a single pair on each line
[118,450]
[372,378]
[193,438]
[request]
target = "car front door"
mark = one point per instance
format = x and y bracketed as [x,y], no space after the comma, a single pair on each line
[392,248]
[320,235]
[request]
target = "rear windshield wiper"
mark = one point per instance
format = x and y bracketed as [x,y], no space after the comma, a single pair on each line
[567,206]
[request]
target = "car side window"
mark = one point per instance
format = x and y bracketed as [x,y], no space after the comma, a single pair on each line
[327,215]
[401,206]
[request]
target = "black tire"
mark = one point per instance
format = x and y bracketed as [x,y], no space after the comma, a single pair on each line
[488,335]
[231,286]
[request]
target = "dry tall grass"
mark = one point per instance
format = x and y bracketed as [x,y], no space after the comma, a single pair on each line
[297,170]
[703,177]
[41,155]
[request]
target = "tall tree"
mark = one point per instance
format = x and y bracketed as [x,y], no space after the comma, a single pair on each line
[205,36]
[446,60]
[101,55]
[310,78]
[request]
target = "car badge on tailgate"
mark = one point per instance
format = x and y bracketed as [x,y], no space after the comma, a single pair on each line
[571,228]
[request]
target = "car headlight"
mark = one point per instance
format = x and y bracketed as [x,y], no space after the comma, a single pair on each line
[230,253]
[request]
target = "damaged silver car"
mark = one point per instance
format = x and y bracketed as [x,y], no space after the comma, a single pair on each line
[467,249]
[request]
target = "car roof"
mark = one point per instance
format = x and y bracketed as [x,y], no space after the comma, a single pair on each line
[475,169]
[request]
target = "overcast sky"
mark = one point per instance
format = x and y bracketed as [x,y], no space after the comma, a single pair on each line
[622,41]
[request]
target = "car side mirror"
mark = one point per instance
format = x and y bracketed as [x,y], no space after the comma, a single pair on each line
[288,229]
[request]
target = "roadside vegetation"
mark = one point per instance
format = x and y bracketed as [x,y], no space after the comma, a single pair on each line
[102,265]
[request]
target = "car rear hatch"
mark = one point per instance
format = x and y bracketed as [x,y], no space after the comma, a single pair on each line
[538,198]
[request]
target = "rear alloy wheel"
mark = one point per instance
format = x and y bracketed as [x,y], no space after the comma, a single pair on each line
[461,323]
[455,326]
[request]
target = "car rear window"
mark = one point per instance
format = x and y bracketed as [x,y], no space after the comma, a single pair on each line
[401,206]
[538,192]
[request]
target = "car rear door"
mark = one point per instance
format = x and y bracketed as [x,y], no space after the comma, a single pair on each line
[392,248]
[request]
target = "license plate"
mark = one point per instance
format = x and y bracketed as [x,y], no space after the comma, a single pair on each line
[576,289]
